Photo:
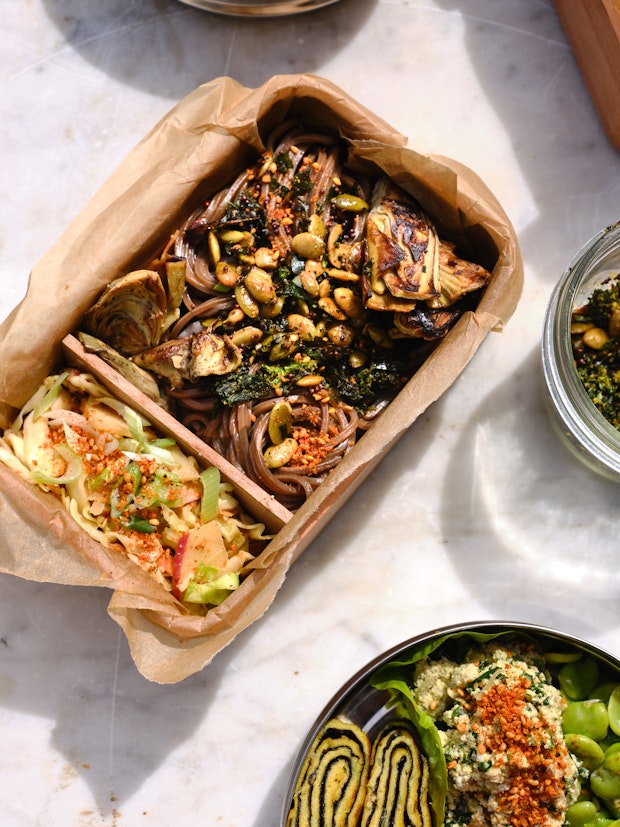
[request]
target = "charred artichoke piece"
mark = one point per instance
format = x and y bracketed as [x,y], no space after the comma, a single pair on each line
[170,360]
[141,379]
[131,312]
[457,277]
[212,355]
[403,250]
[397,792]
[201,354]
[331,785]
[424,322]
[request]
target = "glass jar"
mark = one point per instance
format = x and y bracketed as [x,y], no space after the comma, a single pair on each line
[581,426]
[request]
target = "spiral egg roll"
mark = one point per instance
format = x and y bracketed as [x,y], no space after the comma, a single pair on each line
[331,785]
[397,792]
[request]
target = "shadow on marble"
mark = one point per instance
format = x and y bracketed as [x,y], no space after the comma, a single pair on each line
[356,521]
[63,659]
[167,48]
[526,69]
[511,539]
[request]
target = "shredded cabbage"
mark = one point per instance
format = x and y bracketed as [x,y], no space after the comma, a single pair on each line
[134,491]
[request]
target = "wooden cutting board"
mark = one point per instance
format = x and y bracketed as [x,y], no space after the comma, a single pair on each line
[592,28]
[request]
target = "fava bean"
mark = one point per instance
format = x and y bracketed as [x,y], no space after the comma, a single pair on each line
[586,718]
[587,750]
[603,691]
[613,710]
[605,780]
[581,813]
[578,679]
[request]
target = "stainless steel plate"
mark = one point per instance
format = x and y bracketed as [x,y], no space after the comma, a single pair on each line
[258,8]
[366,706]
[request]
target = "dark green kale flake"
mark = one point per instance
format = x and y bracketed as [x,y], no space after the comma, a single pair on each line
[241,387]
[599,370]
[360,387]
[302,183]
[597,359]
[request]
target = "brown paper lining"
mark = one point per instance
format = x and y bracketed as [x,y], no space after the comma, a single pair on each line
[197,148]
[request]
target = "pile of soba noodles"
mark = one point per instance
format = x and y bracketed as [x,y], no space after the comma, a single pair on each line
[287,311]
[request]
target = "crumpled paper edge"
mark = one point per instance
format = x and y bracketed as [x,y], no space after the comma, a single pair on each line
[214,129]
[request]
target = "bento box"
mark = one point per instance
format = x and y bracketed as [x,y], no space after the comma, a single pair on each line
[158,198]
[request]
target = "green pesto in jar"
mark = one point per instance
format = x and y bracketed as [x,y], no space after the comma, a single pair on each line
[595,335]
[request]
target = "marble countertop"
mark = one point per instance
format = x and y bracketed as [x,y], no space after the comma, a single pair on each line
[479,514]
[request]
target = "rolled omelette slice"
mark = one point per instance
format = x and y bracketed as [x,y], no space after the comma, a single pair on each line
[397,791]
[332,781]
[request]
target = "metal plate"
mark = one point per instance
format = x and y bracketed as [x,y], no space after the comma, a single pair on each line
[366,706]
[258,8]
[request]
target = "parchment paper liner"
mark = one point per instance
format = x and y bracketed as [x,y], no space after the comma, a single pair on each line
[197,148]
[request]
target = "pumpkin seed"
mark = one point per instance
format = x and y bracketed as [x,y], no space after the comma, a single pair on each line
[245,301]
[349,203]
[276,456]
[316,225]
[284,347]
[280,421]
[309,381]
[273,309]
[214,248]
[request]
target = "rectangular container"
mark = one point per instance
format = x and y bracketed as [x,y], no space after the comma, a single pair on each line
[191,153]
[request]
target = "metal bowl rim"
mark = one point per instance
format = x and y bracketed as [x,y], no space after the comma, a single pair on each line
[390,654]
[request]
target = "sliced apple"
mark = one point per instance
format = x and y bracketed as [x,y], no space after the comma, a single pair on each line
[202,545]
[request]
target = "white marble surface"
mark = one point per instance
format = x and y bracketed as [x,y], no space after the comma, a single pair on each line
[480,513]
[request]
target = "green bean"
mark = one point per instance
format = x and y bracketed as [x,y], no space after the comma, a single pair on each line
[578,679]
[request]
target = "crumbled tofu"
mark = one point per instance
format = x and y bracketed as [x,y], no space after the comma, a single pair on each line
[500,724]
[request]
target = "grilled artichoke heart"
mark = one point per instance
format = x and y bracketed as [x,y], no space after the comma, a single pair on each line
[457,277]
[201,354]
[403,251]
[423,322]
[138,377]
[130,315]
[332,781]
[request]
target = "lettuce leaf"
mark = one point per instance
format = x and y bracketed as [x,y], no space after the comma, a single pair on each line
[397,677]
